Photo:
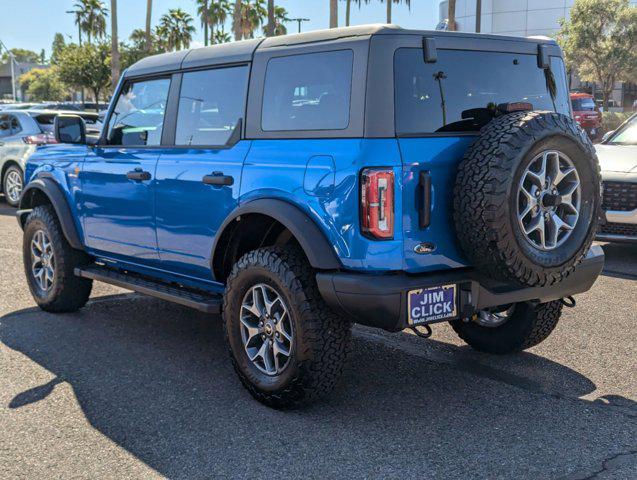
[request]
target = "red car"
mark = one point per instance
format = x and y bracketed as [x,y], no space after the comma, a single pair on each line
[586,113]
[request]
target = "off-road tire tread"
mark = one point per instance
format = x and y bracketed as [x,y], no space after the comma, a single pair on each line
[482,190]
[328,335]
[542,320]
[73,291]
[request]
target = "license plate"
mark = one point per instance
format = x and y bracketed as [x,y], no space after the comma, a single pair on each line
[432,304]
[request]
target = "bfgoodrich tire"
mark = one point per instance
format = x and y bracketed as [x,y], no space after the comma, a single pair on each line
[526,326]
[49,264]
[501,177]
[286,345]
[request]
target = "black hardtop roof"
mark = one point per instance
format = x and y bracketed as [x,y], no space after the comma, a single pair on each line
[242,51]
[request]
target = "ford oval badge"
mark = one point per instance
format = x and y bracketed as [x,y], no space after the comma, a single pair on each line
[423,248]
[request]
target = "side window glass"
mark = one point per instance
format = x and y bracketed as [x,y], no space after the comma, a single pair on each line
[308,92]
[211,103]
[5,126]
[15,126]
[138,116]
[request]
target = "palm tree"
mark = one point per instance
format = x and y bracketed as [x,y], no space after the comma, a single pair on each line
[236,19]
[148,32]
[348,9]
[269,28]
[218,12]
[202,11]
[280,19]
[92,16]
[251,17]
[114,46]
[333,13]
[389,7]
[175,29]
[220,37]
[451,15]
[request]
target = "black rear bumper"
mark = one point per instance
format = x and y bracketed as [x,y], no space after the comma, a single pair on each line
[380,300]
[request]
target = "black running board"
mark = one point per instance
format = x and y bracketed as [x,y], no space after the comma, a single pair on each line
[202,301]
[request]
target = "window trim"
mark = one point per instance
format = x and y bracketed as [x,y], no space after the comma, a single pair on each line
[450,133]
[360,48]
[349,116]
[125,82]
[174,104]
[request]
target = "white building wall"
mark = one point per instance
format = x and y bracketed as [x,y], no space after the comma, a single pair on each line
[512,17]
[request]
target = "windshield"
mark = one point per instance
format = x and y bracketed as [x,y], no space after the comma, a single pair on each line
[627,135]
[457,92]
[585,104]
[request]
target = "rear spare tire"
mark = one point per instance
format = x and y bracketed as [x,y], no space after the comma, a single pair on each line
[527,197]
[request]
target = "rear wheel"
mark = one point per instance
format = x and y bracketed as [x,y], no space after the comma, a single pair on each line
[12,185]
[49,264]
[510,328]
[286,345]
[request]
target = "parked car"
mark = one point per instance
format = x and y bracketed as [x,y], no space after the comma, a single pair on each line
[586,113]
[301,183]
[65,106]
[22,132]
[16,106]
[618,160]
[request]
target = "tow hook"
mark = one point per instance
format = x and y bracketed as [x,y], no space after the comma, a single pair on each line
[426,334]
[568,301]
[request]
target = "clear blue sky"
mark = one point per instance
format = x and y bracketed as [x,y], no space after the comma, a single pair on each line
[31,24]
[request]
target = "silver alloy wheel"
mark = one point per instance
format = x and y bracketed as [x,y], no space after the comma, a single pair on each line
[13,185]
[549,199]
[266,329]
[494,318]
[42,260]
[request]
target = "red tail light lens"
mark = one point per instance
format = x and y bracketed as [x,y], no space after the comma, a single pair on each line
[377,203]
[39,139]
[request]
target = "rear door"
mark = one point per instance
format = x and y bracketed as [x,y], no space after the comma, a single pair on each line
[439,109]
[118,178]
[198,180]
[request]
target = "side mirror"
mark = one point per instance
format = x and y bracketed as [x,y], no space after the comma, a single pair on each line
[607,135]
[69,129]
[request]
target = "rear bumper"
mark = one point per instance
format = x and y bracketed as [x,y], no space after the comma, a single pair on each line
[380,300]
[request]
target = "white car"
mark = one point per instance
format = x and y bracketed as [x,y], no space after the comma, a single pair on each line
[21,133]
[618,160]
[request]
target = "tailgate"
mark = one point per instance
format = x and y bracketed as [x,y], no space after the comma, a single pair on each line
[438,158]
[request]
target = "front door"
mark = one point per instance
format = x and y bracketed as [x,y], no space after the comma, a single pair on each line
[198,180]
[118,178]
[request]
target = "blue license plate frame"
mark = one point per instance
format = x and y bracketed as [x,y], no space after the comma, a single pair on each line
[432,304]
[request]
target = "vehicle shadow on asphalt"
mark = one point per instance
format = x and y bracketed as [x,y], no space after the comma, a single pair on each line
[156,379]
[621,260]
[6,209]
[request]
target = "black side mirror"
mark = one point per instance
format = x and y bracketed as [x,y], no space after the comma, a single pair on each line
[69,129]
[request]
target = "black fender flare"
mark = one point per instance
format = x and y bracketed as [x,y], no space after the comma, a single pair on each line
[49,187]
[317,248]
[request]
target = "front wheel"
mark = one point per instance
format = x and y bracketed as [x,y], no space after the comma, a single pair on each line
[511,328]
[286,345]
[49,264]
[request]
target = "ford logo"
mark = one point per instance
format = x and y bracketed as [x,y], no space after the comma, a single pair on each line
[423,248]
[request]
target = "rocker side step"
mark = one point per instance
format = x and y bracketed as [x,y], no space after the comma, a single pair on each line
[202,301]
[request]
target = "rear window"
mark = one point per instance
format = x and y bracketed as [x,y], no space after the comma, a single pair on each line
[583,104]
[456,93]
[308,92]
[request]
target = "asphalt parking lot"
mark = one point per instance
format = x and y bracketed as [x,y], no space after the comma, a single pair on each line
[135,387]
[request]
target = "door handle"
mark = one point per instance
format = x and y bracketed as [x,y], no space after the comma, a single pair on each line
[138,175]
[218,178]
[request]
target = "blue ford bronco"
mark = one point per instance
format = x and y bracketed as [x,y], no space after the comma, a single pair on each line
[299,184]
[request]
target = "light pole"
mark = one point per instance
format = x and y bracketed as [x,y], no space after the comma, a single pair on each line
[299,21]
[12,62]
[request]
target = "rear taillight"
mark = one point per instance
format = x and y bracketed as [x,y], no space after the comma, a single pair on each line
[377,203]
[39,139]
